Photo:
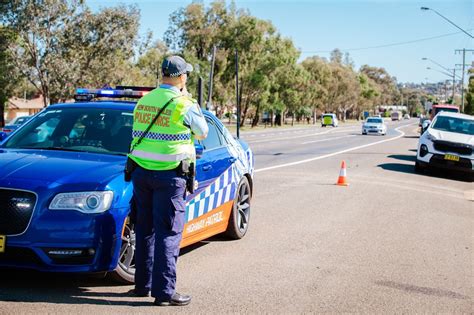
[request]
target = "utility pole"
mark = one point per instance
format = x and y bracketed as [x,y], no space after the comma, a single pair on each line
[200,87]
[463,70]
[211,77]
[454,85]
[237,91]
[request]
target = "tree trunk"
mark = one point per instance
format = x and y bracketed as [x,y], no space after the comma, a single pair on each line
[277,119]
[2,112]
[256,117]
[244,113]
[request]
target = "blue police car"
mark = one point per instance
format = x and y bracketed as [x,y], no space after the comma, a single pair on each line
[64,204]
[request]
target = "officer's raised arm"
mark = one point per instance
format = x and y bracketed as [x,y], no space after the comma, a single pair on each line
[197,123]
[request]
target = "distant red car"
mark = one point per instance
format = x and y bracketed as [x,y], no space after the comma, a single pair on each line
[443,108]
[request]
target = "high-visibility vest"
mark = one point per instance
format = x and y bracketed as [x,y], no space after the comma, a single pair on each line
[169,141]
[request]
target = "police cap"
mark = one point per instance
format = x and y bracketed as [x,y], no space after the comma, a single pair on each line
[174,66]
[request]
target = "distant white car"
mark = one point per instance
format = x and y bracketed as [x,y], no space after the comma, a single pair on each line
[447,143]
[374,125]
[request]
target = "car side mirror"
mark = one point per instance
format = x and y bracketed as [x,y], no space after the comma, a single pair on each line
[425,125]
[3,136]
[199,150]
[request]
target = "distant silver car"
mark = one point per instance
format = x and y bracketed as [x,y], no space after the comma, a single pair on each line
[374,125]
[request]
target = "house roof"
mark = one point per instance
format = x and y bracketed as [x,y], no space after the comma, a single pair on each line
[20,103]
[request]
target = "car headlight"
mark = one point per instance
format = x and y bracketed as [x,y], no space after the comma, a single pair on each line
[87,201]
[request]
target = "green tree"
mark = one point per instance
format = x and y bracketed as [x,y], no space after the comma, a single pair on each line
[62,44]
[317,89]
[386,84]
[8,73]
[369,93]
[469,105]
[195,29]
[344,90]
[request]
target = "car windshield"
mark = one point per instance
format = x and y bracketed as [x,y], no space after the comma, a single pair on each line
[77,129]
[454,124]
[374,120]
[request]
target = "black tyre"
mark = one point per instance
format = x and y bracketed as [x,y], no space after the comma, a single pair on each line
[418,168]
[125,271]
[239,218]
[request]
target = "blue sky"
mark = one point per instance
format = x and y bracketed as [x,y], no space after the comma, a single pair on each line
[319,26]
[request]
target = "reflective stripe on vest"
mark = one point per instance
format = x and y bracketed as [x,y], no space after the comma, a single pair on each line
[162,157]
[161,136]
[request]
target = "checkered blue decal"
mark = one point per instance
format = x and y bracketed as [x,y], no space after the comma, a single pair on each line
[161,136]
[217,193]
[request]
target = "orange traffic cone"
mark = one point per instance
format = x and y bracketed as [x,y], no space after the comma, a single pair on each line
[342,181]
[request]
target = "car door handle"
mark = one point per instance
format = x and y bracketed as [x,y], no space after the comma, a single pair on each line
[206,168]
[232,159]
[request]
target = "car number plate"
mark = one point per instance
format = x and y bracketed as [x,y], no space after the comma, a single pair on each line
[451,157]
[3,240]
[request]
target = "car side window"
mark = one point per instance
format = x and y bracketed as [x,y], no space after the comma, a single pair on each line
[214,138]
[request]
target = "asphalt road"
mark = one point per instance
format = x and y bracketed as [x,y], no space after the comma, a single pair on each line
[391,242]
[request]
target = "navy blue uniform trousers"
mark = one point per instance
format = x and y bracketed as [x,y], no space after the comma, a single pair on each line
[160,201]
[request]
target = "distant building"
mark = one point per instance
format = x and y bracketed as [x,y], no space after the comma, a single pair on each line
[17,107]
[392,108]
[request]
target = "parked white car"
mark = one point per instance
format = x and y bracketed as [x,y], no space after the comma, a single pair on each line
[447,143]
[374,125]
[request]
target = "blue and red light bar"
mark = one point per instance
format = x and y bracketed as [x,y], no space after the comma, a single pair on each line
[118,92]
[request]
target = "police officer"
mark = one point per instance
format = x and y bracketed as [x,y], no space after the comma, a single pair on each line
[159,184]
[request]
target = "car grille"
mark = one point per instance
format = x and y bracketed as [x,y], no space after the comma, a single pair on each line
[445,146]
[16,209]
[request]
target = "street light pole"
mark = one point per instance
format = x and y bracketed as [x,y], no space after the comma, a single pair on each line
[451,22]
[463,70]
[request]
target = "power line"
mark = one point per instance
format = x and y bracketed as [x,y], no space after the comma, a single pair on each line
[382,46]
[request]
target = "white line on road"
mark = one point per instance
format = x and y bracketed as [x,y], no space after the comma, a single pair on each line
[328,139]
[286,138]
[334,153]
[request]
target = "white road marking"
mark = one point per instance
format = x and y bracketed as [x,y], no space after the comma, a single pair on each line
[334,153]
[302,136]
[328,139]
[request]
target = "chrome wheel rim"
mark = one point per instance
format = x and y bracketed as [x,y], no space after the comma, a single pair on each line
[127,251]
[243,208]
